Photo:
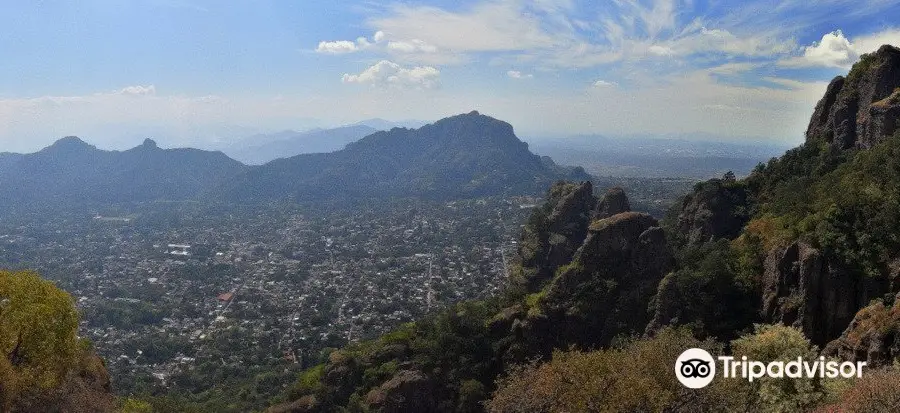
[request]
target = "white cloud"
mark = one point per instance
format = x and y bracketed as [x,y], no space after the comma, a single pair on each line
[871,43]
[387,73]
[836,50]
[661,50]
[137,90]
[515,74]
[346,46]
[732,68]
[604,84]
[411,46]
[490,26]
[337,47]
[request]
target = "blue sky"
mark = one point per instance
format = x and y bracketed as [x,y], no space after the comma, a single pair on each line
[193,72]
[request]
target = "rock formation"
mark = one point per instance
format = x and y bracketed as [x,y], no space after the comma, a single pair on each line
[808,289]
[554,232]
[613,202]
[601,293]
[861,109]
[716,209]
[872,336]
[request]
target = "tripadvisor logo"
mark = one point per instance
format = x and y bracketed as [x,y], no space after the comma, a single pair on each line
[695,368]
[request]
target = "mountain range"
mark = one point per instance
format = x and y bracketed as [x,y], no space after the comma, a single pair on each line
[71,171]
[466,155]
[260,149]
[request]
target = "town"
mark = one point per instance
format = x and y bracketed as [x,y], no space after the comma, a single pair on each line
[164,289]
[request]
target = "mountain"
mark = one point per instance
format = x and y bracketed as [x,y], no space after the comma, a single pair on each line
[800,258]
[260,149]
[381,124]
[71,170]
[465,155]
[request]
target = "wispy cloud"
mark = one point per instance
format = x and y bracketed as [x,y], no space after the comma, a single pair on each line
[515,74]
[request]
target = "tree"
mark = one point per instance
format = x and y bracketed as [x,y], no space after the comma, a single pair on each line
[38,342]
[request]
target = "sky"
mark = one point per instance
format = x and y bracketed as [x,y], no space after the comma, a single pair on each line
[202,73]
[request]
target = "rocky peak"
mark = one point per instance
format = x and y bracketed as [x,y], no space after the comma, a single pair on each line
[69,144]
[149,144]
[554,232]
[859,111]
[614,202]
[605,290]
[715,209]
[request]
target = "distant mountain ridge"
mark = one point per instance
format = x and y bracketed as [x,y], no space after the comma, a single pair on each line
[642,156]
[263,148]
[463,155]
[71,170]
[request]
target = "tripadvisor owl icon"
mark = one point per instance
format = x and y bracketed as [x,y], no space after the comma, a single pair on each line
[695,368]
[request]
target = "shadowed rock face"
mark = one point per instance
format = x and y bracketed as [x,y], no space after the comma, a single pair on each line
[863,108]
[405,392]
[613,202]
[552,236]
[804,288]
[602,293]
[873,336]
[714,210]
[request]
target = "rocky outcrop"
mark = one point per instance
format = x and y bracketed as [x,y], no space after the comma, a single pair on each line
[554,232]
[872,336]
[613,202]
[84,389]
[602,293]
[716,209]
[858,111]
[807,289]
[403,393]
[882,120]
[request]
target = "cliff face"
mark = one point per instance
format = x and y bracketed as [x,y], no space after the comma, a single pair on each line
[861,109]
[873,336]
[554,232]
[716,209]
[602,292]
[812,291]
[614,202]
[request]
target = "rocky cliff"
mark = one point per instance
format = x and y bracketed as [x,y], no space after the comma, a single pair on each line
[811,290]
[553,233]
[873,336]
[861,109]
[717,208]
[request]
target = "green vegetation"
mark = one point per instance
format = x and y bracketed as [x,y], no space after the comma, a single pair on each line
[43,364]
[621,379]
[37,335]
[843,202]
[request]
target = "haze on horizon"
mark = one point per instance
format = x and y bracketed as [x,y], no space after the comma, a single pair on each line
[197,72]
